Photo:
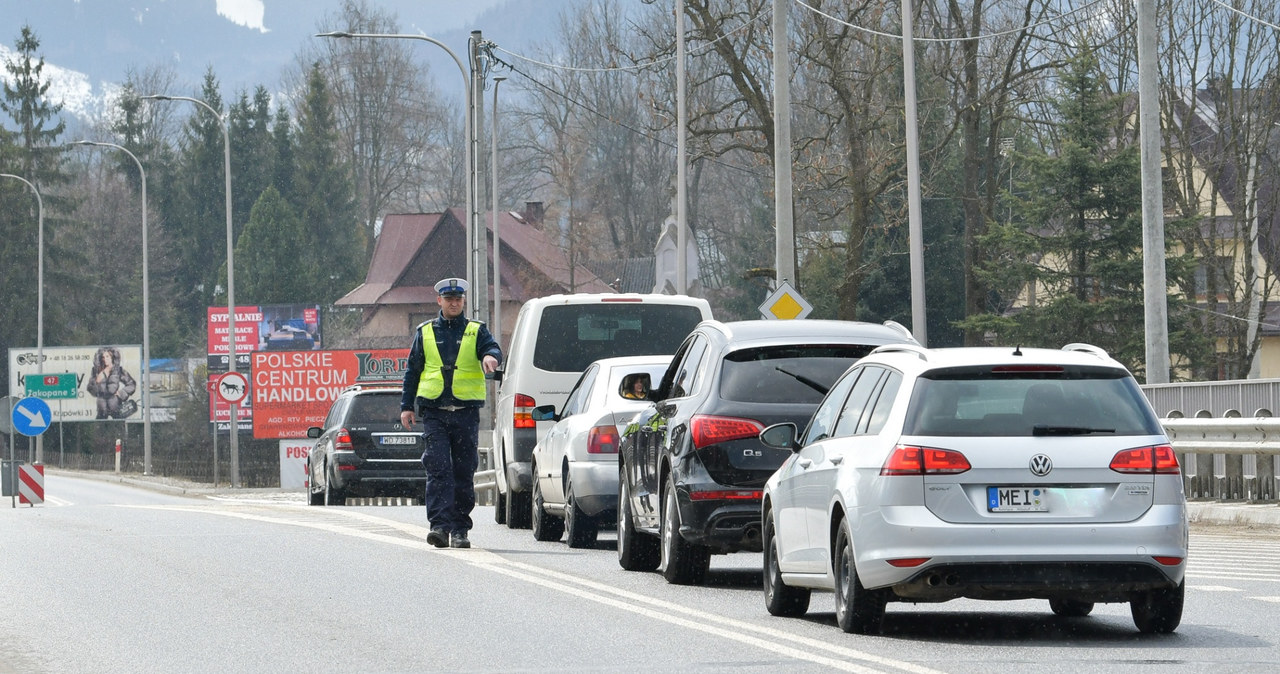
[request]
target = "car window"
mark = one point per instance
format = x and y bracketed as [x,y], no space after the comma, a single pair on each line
[824,418]
[335,413]
[571,336]
[859,402]
[374,409]
[797,373]
[577,399]
[874,422]
[684,375]
[973,401]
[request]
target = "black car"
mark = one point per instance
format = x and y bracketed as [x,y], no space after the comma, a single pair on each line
[363,450]
[691,467]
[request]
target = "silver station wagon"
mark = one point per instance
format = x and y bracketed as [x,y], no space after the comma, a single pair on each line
[927,475]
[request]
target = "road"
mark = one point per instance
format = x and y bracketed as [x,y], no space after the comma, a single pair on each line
[107,577]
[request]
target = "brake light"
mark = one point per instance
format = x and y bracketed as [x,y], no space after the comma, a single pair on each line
[907,562]
[1168,561]
[523,412]
[602,440]
[342,442]
[1023,369]
[621,299]
[1154,460]
[709,430]
[909,460]
[729,495]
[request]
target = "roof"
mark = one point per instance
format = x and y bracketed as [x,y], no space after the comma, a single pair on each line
[415,250]
[812,331]
[626,275]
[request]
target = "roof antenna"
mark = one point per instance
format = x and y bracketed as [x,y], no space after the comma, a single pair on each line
[1017,350]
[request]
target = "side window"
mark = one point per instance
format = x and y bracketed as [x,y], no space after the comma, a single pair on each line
[577,399]
[884,403]
[859,401]
[825,416]
[336,412]
[682,386]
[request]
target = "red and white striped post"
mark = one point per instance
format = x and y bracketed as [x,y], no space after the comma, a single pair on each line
[117,455]
[31,484]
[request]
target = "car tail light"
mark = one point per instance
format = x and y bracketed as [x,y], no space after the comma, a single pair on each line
[622,299]
[602,440]
[709,430]
[727,495]
[1154,460]
[342,442]
[523,413]
[910,460]
[907,562]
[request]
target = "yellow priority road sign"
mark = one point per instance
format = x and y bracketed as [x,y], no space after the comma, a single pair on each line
[785,303]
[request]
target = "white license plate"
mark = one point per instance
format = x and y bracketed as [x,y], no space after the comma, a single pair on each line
[399,440]
[1017,499]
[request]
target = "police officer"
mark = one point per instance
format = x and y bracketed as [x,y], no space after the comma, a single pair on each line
[444,387]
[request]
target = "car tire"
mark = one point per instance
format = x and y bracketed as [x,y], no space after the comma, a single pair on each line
[581,528]
[332,495]
[499,507]
[517,507]
[1070,608]
[1158,611]
[682,563]
[314,497]
[545,527]
[779,598]
[636,551]
[858,610]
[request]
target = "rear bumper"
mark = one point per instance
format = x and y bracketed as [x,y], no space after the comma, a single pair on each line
[370,481]
[595,486]
[519,469]
[722,525]
[1087,561]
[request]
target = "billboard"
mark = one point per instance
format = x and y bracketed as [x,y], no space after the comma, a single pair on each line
[268,327]
[107,380]
[292,390]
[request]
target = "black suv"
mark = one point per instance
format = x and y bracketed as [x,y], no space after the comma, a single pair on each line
[363,450]
[691,467]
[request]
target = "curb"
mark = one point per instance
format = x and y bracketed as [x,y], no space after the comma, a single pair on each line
[1218,512]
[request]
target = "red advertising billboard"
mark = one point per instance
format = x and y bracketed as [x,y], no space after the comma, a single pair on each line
[271,327]
[292,390]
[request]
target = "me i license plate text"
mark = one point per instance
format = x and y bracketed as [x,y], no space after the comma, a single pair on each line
[399,440]
[1017,499]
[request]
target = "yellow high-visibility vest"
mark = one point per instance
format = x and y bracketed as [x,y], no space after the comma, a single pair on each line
[468,375]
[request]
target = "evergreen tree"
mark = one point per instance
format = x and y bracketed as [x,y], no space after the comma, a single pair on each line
[1072,258]
[282,139]
[252,152]
[323,196]
[267,255]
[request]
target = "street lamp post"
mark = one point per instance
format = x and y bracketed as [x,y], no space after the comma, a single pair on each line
[39,292]
[234,429]
[497,241]
[146,310]
[468,132]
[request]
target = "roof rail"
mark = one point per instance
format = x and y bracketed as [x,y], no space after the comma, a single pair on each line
[902,329]
[1087,348]
[920,352]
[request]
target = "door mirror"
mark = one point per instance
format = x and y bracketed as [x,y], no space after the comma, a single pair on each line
[780,436]
[544,413]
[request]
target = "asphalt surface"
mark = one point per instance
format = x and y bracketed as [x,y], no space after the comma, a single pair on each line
[1202,513]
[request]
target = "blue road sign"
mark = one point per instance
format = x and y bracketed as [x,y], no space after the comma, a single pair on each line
[31,416]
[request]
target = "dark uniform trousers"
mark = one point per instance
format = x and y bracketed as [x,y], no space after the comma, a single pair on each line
[450,457]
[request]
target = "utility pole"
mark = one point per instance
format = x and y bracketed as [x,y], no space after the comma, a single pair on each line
[784,234]
[479,301]
[1155,287]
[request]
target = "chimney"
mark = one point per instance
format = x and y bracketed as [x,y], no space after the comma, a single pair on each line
[534,212]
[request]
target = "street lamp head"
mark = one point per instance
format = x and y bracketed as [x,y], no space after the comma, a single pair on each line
[156,97]
[336,33]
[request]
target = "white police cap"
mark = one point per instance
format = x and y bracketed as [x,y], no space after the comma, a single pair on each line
[452,286]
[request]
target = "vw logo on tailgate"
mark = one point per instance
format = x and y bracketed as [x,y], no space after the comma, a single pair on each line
[1040,465]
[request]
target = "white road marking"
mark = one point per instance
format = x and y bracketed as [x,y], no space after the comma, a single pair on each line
[1214,588]
[728,628]
[1274,600]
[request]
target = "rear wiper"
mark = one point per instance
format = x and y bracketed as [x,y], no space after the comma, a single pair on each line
[1042,429]
[804,380]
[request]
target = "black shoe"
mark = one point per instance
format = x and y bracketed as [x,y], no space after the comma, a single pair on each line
[438,538]
[459,540]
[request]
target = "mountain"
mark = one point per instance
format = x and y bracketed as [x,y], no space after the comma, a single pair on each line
[90,46]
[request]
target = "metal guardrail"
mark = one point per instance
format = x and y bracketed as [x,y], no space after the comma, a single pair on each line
[1227,458]
[486,481]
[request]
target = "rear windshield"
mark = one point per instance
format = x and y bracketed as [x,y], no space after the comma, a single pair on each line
[976,401]
[571,336]
[788,373]
[375,408]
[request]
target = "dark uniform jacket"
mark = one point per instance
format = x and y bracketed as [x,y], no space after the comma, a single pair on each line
[448,334]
